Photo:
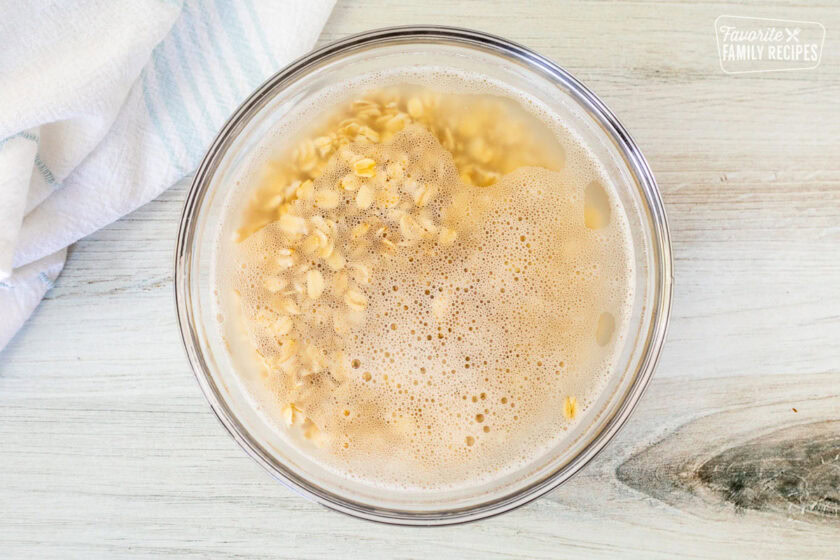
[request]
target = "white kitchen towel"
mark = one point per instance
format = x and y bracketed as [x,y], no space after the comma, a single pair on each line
[106,103]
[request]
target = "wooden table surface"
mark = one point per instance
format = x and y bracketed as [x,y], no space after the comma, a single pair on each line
[107,447]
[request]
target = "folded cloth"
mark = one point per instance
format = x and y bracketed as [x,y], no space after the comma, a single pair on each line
[106,103]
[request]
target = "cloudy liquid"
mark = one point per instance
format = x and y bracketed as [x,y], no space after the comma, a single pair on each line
[428,287]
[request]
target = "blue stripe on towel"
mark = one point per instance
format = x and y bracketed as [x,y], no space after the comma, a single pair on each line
[184,64]
[42,167]
[44,171]
[258,25]
[42,276]
[175,105]
[155,119]
[224,104]
[25,135]
[29,136]
[239,42]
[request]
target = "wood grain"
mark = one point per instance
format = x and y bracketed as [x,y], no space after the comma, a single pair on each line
[759,458]
[107,448]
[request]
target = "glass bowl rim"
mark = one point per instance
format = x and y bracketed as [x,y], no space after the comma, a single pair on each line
[637,166]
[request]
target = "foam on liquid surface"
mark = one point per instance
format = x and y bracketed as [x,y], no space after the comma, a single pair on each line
[463,362]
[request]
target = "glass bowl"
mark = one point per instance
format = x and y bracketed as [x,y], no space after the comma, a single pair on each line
[417,47]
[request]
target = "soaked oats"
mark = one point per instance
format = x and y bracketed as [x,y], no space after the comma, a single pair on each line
[433,285]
